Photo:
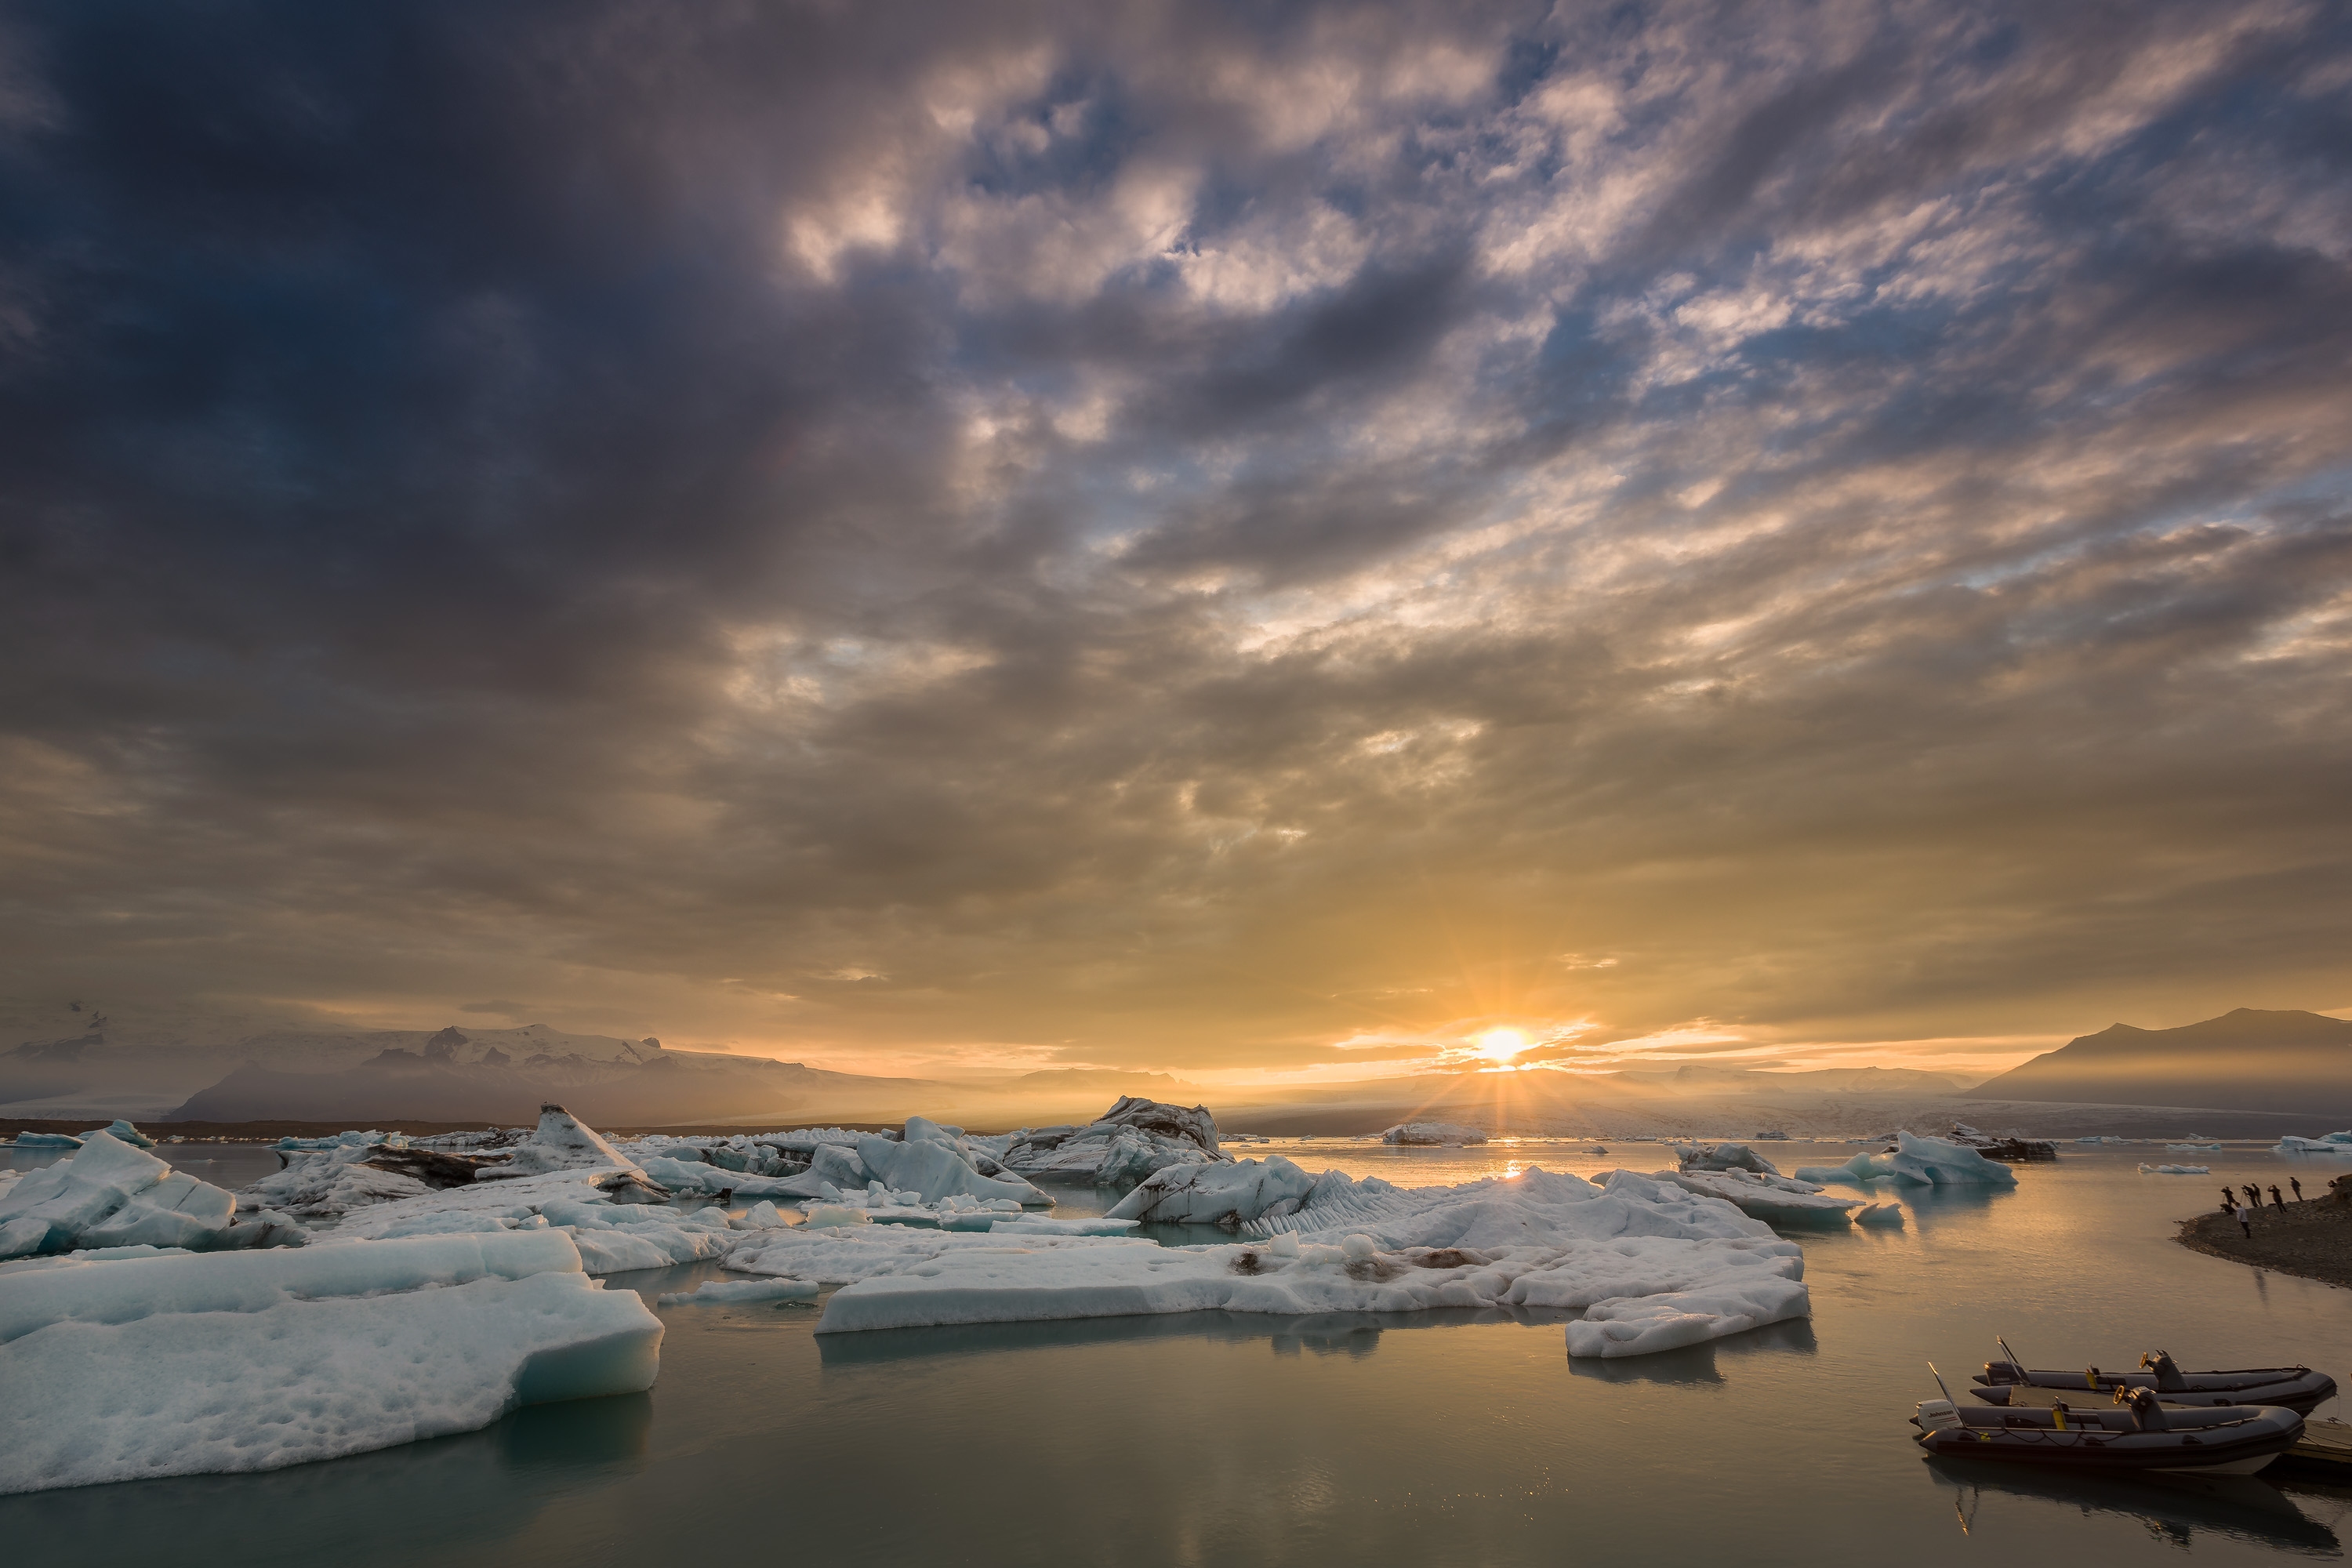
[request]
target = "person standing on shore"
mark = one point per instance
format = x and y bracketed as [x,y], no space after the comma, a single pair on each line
[2297,1185]
[2253,1195]
[2277,1200]
[2229,1201]
[2246,1223]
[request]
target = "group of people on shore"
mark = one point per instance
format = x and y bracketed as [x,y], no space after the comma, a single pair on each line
[2253,1205]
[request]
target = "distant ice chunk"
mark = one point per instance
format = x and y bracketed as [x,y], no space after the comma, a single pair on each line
[47,1141]
[332,1180]
[737,1291]
[1938,1162]
[179,1365]
[1723,1157]
[937,1168]
[2176,1170]
[2339,1143]
[121,1131]
[1886,1215]
[1440,1133]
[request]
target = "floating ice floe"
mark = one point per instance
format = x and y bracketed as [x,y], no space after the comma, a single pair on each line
[47,1141]
[2176,1170]
[106,1194]
[2103,1139]
[1127,1143]
[1722,1157]
[2329,1143]
[1918,1162]
[1441,1133]
[1885,1216]
[1650,1264]
[736,1293]
[368,1139]
[181,1365]
[1775,1200]
[121,1131]
[2191,1147]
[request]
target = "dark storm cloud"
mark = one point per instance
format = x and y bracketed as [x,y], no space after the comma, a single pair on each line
[1179,535]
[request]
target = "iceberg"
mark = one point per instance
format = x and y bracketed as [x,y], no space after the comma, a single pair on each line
[1920,1162]
[1127,1143]
[332,1180]
[2330,1143]
[1432,1132]
[107,1193]
[1775,1200]
[937,1168]
[1651,1265]
[254,1360]
[610,1237]
[121,1131]
[47,1141]
[1229,1194]
[719,1293]
[1723,1157]
[2176,1170]
[561,1143]
[1887,1215]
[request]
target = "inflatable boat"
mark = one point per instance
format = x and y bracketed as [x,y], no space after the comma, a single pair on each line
[2139,1433]
[2297,1388]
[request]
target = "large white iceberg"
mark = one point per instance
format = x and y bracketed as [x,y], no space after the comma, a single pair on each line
[106,1194]
[933,1162]
[1650,1264]
[252,1361]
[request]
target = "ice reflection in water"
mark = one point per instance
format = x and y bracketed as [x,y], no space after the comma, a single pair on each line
[1437,1438]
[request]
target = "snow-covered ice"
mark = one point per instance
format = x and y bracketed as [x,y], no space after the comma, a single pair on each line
[252,1361]
[2176,1170]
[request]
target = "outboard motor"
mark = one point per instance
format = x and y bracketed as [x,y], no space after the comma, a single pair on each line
[2147,1413]
[1938,1415]
[2168,1375]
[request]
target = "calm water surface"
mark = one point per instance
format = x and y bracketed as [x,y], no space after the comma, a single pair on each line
[1446,1439]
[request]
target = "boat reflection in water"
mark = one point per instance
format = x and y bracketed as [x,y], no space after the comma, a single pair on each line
[2172,1508]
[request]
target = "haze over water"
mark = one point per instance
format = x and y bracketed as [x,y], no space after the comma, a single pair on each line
[1443,1438]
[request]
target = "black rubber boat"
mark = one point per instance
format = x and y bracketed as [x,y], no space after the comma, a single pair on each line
[2297,1388]
[2139,1433]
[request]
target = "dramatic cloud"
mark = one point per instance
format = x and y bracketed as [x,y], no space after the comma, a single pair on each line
[1191,536]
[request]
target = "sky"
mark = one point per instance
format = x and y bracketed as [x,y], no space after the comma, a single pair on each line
[1254,540]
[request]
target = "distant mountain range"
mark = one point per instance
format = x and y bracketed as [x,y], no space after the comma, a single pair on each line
[2246,1060]
[503,1075]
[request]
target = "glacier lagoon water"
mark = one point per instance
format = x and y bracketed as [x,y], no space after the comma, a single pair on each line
[1438,1439]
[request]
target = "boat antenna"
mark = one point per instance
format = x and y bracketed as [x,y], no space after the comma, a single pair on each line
[1940,1383]
[2009,1352]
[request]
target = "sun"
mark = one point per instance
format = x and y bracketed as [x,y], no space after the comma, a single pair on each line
[1501,1044]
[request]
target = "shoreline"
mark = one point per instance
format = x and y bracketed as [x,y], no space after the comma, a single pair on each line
[2310,1239]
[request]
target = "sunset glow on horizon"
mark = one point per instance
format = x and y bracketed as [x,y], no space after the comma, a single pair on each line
[1271,545]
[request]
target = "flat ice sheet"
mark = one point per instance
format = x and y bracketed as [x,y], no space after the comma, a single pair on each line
[182,1365]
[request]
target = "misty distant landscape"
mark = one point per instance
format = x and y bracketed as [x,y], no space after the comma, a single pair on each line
[2248,1072]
